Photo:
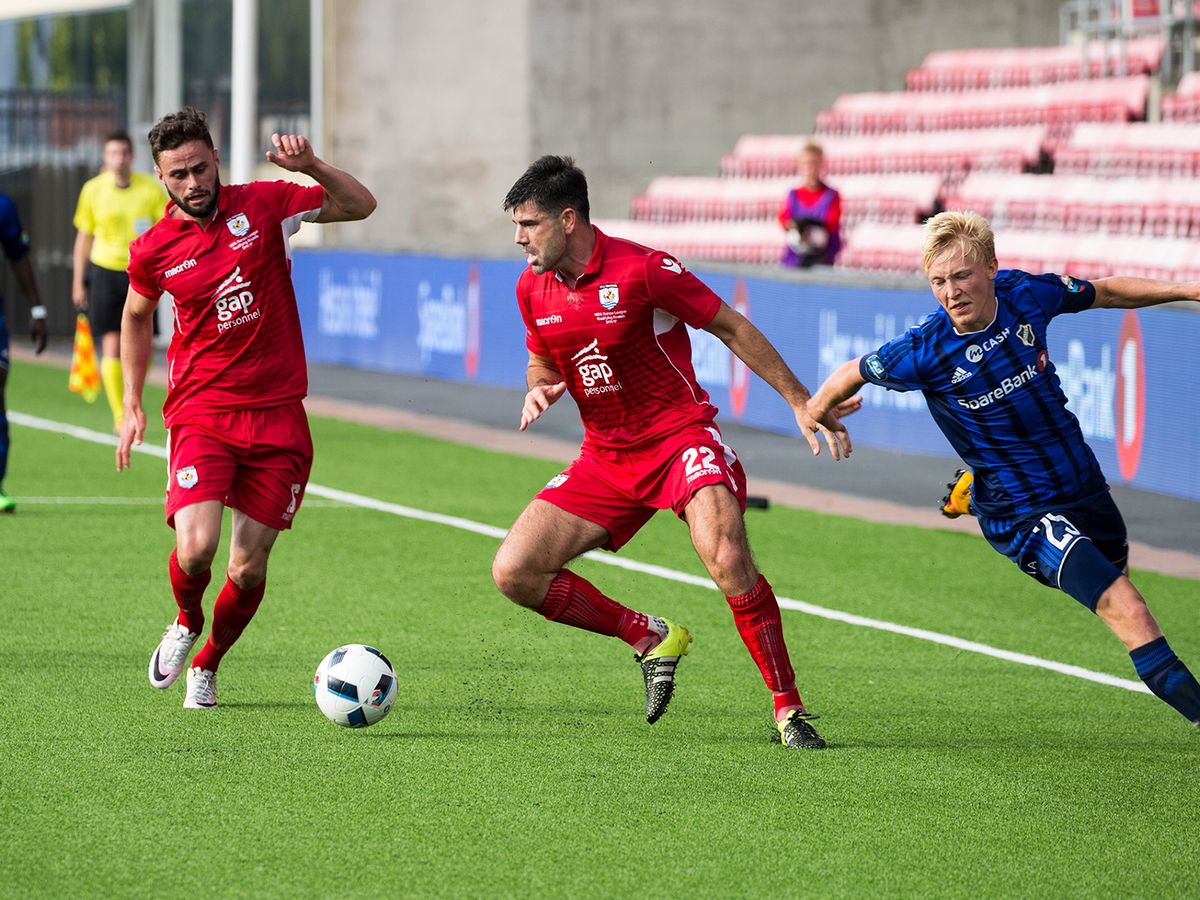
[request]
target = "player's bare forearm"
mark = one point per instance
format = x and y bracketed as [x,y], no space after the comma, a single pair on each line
[23,269]
[1127,292]
[346,198]
[137,335]
[841,385]
[751,346]
[545,384]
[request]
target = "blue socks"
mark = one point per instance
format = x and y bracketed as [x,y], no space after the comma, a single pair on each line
[3,445]
[1168,678]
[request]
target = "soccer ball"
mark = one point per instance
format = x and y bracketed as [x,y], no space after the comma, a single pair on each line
[355,686]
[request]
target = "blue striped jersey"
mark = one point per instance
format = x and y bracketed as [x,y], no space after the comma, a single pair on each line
[995,395]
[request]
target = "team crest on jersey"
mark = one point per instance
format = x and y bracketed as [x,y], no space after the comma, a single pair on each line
[558,480]
[1072,285]
[238,225]
[610,295]
[187,477]
[1025,335]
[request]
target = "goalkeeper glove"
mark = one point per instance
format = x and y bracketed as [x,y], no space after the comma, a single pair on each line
[957,501]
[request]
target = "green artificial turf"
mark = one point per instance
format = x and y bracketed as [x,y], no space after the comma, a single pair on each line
[516,761]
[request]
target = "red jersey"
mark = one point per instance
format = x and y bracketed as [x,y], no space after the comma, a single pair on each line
[237,341]
[619,339]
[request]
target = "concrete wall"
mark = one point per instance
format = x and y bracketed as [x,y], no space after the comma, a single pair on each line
[439,107]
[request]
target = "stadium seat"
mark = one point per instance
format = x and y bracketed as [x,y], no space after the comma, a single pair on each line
[1065,103]
[976,69]
[943,152]
[1166,149]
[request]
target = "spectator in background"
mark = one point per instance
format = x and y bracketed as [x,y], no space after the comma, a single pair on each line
[114,208]
[811,215]
[15,243]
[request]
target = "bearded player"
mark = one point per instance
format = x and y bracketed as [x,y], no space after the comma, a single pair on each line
[238,433]
[606,320]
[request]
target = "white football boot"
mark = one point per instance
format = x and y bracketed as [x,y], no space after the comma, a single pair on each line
[169,657]
[201,689]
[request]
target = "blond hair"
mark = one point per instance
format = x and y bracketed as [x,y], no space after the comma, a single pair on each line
[969,231]
[811,146]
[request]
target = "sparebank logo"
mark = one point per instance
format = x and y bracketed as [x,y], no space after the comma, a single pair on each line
[1006,387]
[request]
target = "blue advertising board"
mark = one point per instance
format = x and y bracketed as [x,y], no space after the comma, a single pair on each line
[1130,375]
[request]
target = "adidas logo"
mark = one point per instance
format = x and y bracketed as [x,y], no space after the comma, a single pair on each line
[960,375]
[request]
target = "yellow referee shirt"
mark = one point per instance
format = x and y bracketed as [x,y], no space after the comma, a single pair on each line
[114,216]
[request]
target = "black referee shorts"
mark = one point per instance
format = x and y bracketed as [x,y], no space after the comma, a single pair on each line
[106,292]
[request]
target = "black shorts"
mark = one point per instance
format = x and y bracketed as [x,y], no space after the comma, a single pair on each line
[106,292]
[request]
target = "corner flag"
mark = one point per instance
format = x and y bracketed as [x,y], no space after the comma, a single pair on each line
[85,375]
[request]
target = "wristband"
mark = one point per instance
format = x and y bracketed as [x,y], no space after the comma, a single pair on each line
[37,312]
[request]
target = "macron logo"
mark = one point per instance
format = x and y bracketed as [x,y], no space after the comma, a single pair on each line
[182,267]
[550,320]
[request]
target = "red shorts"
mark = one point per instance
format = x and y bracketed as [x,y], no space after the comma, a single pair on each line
[621,489]
[254,460]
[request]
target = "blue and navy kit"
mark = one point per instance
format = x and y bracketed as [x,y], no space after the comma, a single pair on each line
[16,244]
[995,395]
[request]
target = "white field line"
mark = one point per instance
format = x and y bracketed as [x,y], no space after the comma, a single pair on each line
[811,609]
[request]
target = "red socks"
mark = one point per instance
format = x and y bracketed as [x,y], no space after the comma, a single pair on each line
[575,601]
[231,613]
[756,615]
[188,589]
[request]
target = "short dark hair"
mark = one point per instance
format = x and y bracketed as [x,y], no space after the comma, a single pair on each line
[119,135]
[553,183]
[176,129]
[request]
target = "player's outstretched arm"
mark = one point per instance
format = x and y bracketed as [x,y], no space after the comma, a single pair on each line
[1127,292]
[838,395]
[137,334]
[346,199]
[751,346]
[546,385]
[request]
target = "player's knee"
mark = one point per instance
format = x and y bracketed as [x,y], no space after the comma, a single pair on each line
[247,573]
[195,552]
[508,575]
[728,561]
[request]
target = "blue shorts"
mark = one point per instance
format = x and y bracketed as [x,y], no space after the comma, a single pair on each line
[1079,548]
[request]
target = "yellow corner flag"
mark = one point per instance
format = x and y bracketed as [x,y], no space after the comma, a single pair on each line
[85,375]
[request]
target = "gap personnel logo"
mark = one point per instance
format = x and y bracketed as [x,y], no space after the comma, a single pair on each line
[1025,335]
[238,225]
[610,296]
[187,477]
[594,371]
[960,375]
[233,302]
